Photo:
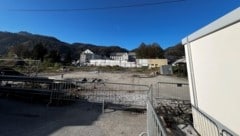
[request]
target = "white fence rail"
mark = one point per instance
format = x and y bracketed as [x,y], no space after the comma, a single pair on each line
[206,126]
[154,125]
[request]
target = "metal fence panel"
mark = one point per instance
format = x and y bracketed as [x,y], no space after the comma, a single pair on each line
[203,124]
[226,133]
[154,126]
[116,93]
[168,90]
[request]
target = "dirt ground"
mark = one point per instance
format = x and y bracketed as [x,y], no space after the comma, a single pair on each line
[19,118]
[125,77]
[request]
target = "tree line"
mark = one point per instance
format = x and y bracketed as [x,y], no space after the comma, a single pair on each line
[41,52]
[149,51]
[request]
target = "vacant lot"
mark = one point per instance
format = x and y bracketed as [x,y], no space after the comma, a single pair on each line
[124,77]
[81,118]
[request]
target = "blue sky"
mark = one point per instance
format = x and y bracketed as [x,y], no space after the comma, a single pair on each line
[165,24]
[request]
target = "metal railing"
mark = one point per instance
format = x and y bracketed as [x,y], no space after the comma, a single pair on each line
[162,94]
[203,124]
[226,133]
[207,126]
[124,94]
[170,90]
[155,126]
[130,95]
[116,93]
[53,89]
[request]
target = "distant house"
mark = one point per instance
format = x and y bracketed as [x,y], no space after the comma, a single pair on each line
[86,56]
[122,56]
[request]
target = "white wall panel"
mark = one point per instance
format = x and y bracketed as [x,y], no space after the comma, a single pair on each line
[216,68]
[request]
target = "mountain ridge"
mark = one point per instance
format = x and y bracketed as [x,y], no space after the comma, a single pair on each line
[9,40]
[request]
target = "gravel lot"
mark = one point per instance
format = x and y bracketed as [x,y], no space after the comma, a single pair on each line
[125,77]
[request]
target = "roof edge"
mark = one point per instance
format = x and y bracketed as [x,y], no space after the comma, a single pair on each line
[228,19]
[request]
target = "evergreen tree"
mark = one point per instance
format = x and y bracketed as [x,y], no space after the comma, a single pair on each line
[152,51]
[39,51]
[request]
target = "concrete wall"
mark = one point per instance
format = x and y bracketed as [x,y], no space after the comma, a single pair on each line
[113,63]
[214,72]
[124,63]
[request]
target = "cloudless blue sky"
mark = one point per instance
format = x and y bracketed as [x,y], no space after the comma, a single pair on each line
[165,24]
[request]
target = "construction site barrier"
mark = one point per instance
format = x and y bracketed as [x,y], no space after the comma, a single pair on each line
[170,90]
[154,125]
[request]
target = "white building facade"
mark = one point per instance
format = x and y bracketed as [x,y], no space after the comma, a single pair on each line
[86,56]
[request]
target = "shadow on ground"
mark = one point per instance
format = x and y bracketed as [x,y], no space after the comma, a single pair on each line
[19,118]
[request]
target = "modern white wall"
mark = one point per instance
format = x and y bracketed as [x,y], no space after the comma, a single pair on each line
[113,63]
[216,74]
